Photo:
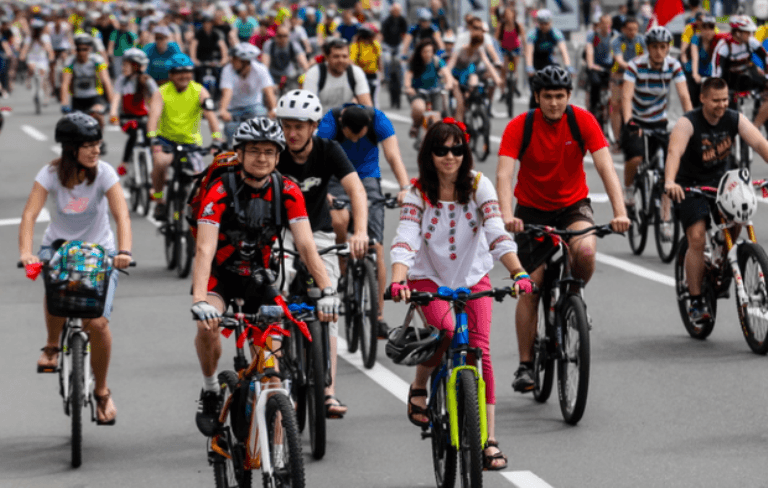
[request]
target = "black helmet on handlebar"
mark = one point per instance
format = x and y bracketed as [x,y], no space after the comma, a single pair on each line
[410,346]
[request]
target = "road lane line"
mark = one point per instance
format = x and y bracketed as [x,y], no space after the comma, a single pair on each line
[525,479]
[44,216]
[635,269]
[34,133]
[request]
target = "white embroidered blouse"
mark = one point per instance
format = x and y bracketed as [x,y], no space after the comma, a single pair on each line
[451,244]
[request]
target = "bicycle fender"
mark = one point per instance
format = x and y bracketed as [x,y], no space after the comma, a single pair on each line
[452,406]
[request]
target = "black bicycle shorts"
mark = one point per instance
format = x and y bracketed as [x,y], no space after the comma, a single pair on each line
[632,143]
[532,252]
[228,286]
[86,104]
[695,208]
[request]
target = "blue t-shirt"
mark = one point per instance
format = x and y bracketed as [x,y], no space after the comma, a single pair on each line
[245,29]
[602,46]
[348,31]
[430,78]
[705,63]
[157,68]
[364,154]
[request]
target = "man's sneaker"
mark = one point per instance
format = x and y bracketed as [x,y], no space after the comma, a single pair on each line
[207,417]
[383,332]
[523,379]
[666,231]
[161,212]
[699,313]
[629,196]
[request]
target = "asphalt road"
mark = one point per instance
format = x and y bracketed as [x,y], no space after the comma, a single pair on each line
[663,409]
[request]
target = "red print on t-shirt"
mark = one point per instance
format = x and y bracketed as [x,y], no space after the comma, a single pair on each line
[76,205]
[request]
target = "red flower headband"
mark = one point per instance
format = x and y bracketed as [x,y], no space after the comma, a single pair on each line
[460,125]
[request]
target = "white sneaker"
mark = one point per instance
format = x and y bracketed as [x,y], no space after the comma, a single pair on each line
[666,231]
[629,196]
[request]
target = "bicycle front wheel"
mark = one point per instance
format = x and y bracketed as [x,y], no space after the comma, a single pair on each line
[316,391]
[284,445]
[543,365]
[443,453]
[77,397]
[145,186]
[638,231]
[369,317]
[573,367]
[185,244]
[666,231]
[699,330]
[753,264]
[471,447]
[351,331]
[230,472]
[169,232]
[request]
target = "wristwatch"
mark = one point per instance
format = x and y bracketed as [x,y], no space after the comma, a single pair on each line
[329,292]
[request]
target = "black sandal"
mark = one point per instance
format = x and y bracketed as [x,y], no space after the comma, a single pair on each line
[101,403]
[328,406]
[415,409]
[488,459]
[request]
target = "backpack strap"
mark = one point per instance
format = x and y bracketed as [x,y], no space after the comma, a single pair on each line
[230,185]
[574,126]
[323,75]
[277,198]
[336,113]
[527,132]
[351,79]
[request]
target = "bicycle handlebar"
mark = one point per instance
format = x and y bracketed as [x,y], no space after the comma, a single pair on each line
[460,294]
[274,314]
[598,230]
[336,247]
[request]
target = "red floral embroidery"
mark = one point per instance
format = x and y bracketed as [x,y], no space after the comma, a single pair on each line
[451,207]
[427,235]
[453,223]
[453,257]
[451,239]
[434,220]
[469,216]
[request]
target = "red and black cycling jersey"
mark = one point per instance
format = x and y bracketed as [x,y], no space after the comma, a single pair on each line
[242,237]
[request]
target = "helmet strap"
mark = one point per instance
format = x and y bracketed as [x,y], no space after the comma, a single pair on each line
[259,182]
[303,148]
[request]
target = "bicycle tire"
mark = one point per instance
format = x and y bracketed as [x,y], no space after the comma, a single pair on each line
[77,397]
[351,331]
[230,473]
[146,186]
[298,380]
[543,365]
[444,459]
[185,244]
[482,127]
[134,189]
[470,441]
[755,334]
[169,232]
[291,473]
[638,231]
[316,391]
[697,331]
[369,313]
[573,379]
[666,249]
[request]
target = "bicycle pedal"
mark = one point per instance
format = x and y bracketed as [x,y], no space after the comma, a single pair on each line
[425,434]
[41,369]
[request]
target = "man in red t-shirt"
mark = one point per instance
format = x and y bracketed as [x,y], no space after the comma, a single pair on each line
[234,245]
[552,190]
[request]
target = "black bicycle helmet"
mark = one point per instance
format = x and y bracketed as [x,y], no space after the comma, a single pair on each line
[83,39]
[77,128]
[552,77]
[410,346]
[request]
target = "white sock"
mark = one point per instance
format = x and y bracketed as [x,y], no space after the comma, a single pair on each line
[210,383]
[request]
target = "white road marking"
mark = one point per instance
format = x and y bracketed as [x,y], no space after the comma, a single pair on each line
[525,479]
[44,216]
[56,150]
[34,133]
[113,128]
[635,269]
[390,185]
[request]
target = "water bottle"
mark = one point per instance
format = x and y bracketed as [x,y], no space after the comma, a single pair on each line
[250,400]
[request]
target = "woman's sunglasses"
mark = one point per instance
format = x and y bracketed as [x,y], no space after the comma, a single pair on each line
[441,151]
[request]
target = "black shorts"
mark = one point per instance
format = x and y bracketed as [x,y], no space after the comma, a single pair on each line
[229,286]
[695,208]
[632,143]
[85,104]
[533,253]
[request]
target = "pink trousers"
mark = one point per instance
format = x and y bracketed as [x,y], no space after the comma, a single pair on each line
[479,315]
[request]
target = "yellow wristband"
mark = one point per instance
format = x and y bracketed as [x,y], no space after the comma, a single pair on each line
[152,133]
[216,135]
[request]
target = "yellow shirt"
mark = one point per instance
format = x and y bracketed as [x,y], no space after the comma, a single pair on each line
[762,33]
[321,29]
[688,33]
[366,56]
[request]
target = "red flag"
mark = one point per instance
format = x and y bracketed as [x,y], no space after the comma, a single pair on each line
[666,10]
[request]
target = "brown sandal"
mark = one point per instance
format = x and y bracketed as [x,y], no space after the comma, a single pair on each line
[488,459]
[49,360]
[102,401]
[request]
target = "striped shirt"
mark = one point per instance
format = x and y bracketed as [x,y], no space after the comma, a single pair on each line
[652,86]
[738,56]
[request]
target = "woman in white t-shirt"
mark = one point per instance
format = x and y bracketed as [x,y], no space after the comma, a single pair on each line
[38,53]
[450,233]
[82,189]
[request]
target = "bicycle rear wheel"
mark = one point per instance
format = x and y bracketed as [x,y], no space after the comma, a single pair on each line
[38,90]
[471,447]
[543,365]
[230,472]
[638,231]
[700,330]
[133,183]
[77,397]
[351,331]
[284,445]
[443,453]
[171,242]
[510,95]
[298,378]
[368,318]
[145,185]
[573,367]
[185,244]
[666,245]
[753,264]
[316,391]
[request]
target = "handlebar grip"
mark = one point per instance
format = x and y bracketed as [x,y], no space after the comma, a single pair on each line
[19,264]
[387,294]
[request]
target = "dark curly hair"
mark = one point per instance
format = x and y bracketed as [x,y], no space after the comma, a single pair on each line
[428,179]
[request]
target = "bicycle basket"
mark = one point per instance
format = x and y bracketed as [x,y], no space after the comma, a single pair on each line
[76,280]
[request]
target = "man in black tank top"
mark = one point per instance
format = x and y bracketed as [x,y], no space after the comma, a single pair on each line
[700,150]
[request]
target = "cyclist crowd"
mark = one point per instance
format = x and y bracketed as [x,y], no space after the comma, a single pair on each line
[305,132]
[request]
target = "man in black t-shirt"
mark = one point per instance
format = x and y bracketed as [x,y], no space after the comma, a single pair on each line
[700,152]
[208,47]
[394,27]
[311,161]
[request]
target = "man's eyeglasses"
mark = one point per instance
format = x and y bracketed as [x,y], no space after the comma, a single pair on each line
[441,151]
[83,49]
[258,153]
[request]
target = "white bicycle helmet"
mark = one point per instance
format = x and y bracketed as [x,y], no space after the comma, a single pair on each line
[742,23]
[260,129]
[246,51]
[299,105]
[136,55]
[544,16]
[735,197]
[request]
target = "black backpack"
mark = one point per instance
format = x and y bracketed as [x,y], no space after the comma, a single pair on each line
[528,130]
[324,74]
[291,52]
[340,134]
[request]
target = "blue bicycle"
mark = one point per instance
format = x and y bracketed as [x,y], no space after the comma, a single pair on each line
[456,405]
